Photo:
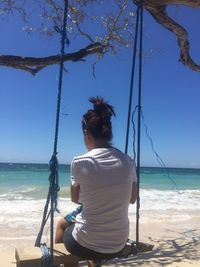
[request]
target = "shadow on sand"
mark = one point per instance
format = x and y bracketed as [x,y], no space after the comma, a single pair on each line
[166,252]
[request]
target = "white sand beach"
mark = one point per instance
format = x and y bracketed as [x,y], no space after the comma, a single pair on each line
[176,244]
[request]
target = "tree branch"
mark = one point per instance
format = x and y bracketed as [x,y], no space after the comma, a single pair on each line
[121,10]
[34,65]
[190,3]
[157,8]
[116,29]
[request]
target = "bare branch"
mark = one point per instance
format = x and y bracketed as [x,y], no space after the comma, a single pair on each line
[83,33]
[157,8]
[190,3]
[34,65]
[116,19]
[116,30]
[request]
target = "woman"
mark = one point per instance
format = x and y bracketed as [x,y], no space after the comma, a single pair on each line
[104,181]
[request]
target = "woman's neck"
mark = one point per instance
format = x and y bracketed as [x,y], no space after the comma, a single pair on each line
[99,144]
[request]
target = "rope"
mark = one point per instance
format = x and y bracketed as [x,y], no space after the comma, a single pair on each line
[139,20]
[158,158]
[134,249]
[45,255]
[132,80]
[64,40]
[53,164]
[139,123]
[54,188]
[44,220]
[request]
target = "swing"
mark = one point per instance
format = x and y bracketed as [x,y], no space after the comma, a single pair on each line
[56,254]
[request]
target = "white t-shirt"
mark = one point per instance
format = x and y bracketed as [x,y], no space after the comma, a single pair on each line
[105,176]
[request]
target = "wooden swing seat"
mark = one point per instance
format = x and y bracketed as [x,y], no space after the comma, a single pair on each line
[32,257]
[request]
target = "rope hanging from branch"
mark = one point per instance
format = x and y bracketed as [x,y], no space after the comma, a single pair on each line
[53,164]
[53,177]
[139,28]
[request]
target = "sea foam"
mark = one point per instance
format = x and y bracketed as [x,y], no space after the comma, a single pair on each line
[29,210]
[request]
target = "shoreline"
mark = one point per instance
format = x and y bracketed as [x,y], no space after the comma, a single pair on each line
[69,163]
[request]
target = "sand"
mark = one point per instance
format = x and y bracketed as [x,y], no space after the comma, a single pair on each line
[176,244]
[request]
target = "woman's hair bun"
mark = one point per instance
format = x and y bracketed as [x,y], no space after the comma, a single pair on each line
[97,121]
[101,106]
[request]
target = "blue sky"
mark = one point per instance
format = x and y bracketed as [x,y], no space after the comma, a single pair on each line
[170,97]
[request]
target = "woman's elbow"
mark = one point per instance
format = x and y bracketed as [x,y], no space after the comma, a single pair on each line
[133,199]
[74,199]
[133,193]
[75,193]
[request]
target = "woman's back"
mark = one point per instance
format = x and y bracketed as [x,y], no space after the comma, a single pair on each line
[105,177]
[104,181]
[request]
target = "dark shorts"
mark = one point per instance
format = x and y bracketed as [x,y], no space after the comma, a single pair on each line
[84,253]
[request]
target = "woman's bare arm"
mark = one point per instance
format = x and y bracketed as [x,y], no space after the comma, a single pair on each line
[75,193]
[133,193]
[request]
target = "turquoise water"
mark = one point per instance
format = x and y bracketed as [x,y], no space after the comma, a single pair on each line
[31,180]
[170,178]
[24,187]
[19,180]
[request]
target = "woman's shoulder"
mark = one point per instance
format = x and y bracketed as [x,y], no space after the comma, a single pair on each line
[122,154]
[90,154]
[127,158]
[82,159]
[83,164]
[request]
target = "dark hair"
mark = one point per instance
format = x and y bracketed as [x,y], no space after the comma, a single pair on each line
[98,120]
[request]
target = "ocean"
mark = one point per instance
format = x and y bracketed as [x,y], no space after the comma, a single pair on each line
[24,187]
